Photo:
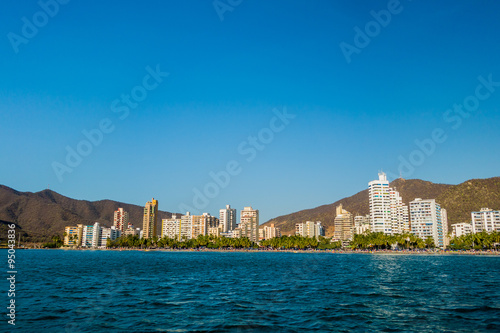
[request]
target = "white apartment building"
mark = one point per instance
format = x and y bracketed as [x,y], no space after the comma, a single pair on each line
[186,224]
[120,220]
[388,213]
[171,228]
[309,229]
[427,220]
[227,218]
[485,220]
[460,229]
[380,204]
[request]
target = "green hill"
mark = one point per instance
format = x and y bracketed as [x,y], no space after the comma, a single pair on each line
[459,201]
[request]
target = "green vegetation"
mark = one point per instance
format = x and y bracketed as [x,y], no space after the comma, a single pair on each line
[300,243]
[210,242]
[56,243]
[479,241]
[379,241]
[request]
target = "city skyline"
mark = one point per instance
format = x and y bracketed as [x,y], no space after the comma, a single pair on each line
[254,114]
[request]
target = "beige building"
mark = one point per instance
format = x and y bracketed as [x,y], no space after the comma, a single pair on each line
[249,223]
[343,224]
[150,219]
[269,232]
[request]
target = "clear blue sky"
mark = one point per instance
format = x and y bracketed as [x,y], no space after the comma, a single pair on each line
[225,78]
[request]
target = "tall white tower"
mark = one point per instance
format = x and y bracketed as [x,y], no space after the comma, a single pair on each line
[380,204]
[227,218]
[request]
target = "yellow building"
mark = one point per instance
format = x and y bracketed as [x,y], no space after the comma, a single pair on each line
[73,235]
[150,219]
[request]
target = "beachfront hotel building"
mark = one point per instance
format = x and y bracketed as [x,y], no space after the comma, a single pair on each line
[120,219]
[427,220]
[227,218]
[249,223]
[150,219]
[309,229]
[343,224]
[485,220]
[388,213]
[460,229]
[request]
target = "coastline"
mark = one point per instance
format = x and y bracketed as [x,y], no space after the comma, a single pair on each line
[369,252]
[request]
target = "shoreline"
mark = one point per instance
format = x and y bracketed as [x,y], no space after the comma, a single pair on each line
[370,252]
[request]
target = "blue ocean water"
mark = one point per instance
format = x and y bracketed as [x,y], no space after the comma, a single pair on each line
[137,291]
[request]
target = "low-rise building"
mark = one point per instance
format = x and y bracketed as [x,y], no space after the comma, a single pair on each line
[460,229]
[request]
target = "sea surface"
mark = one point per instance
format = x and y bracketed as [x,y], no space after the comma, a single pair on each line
[138,291]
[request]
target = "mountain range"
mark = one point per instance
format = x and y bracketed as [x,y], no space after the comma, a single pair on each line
[459,201]
[43,214]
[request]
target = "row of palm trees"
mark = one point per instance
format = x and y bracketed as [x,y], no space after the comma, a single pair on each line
[478,241]
[379,241]
[300,242]
[208,241]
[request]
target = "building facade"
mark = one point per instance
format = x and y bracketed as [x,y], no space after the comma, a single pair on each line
[227,217]
[120,219]
[427,220]
[150,219]
[171,228]
[485,220]
[343,224]
[460,229]
[249,223]
[309,229]
[269,232]
[388,213]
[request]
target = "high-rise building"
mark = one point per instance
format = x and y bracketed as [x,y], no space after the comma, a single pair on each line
[249,223]
[88,233]
[227,217]
[120,220]
[400,220]
[186,226]
[380,204]
[150,219]
[309,229]
[485,220]
[171,228]
[343,224]
[388,213]
[427,220]
[199,225]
